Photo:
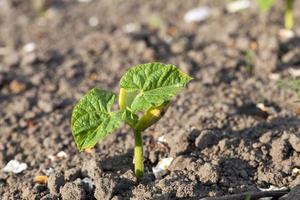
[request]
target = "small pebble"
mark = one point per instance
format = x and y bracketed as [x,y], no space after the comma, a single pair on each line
[239,5]
[162,167]
[15,166]
[16,86]
[131,28]
[93,21]
[29,47]
[62,154]
[197,14]
[41,179]
[45,106]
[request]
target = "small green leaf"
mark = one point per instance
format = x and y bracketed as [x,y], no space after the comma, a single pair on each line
[129,117]
[265,5]
[152,84]
[92,119]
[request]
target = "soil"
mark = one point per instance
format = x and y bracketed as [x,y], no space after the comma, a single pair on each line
[221,141]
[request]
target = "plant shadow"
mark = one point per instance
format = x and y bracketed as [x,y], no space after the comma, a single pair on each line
[118,163]
[232,170]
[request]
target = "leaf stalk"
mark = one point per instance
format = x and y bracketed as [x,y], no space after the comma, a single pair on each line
[138,154]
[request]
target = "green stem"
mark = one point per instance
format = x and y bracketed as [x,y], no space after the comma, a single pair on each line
[138,154]
[288,15]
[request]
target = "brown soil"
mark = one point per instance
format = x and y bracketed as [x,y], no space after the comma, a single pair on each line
[222,143]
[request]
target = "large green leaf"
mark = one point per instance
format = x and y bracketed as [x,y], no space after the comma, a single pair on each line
[152,84]
[92,119]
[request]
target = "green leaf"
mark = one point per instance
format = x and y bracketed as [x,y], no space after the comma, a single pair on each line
[152,84]
[129,117]
[265,5]
[92,119]
[126,97]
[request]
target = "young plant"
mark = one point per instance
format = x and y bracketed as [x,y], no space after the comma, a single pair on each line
[265,5]
[248,58]
[293,85]
[145,94]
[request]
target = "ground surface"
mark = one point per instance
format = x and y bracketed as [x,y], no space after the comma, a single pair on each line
[221,142]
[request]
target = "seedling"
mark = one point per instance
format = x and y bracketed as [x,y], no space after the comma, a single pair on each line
[265,5]
[145,94]
[293,85]
[248,58]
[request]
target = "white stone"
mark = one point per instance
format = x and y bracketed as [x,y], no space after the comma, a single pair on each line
[29,47]
[197,14]
[62,154]
[239,5]
[93,21]
[15,167]
[162,167]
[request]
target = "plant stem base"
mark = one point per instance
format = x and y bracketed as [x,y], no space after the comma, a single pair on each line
[138,154]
